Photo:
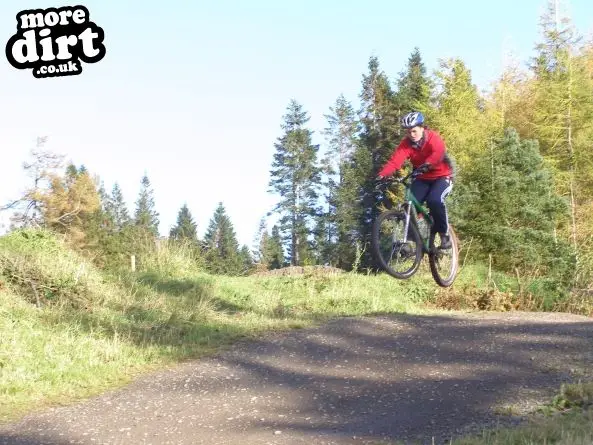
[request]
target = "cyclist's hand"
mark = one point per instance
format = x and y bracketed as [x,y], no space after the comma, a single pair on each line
[381,182]
[424,168]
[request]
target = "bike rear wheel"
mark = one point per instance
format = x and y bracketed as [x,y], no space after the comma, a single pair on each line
[444,263]
[389,248]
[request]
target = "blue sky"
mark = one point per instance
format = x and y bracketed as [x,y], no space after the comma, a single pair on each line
[193,94]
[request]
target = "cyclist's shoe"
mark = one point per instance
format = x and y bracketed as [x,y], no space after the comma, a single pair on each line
[445,242]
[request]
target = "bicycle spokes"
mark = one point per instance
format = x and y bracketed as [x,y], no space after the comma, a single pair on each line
[397,249]
[443,262]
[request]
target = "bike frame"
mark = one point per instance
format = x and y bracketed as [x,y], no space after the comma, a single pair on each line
[412,202]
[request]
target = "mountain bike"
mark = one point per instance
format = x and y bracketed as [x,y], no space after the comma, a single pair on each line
[404,233]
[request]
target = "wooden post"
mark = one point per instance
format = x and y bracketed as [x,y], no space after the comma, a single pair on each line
[489,270]
[133,262]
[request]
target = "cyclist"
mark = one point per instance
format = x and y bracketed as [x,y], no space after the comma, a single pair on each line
[427,151]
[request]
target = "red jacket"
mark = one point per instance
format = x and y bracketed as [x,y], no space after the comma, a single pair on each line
[432,151]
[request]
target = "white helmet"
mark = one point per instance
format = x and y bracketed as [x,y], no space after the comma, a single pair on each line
[412,119]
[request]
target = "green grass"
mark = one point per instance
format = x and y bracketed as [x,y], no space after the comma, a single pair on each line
[568,420]
[575,428]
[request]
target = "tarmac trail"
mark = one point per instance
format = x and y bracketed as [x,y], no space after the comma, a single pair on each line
[351,381]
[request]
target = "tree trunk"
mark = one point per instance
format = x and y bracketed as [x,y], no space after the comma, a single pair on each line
[572,160]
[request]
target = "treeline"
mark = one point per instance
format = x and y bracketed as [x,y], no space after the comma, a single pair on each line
[523,192]
[74,203]
[521,201]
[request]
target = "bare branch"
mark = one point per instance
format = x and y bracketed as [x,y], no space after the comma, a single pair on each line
[11,205]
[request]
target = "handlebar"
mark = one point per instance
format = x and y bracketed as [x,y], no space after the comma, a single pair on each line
[400,180]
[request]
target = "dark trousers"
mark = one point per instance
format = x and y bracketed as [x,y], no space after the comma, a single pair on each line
[434,193]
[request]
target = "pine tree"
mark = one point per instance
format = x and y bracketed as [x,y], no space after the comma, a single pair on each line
[379,115]
[115,239]
[274,251]
[263,257]
[583,70]
[70,205]
[117,209]
[380,135]
[510,102]
[322,244]
[103,196]
[296,177]
[414,90]
[510,210]
[186,228]
[584,170]
[341,133]
[563,108]
[269,252]
[246,260]
[339,219]
[222,248]
[103,222]
[257,250]
[459,116]
[146,217]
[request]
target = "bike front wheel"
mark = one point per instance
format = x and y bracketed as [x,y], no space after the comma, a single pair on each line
[397,257]
[444,262]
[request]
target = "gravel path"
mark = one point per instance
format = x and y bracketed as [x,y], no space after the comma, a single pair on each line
[352,381]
